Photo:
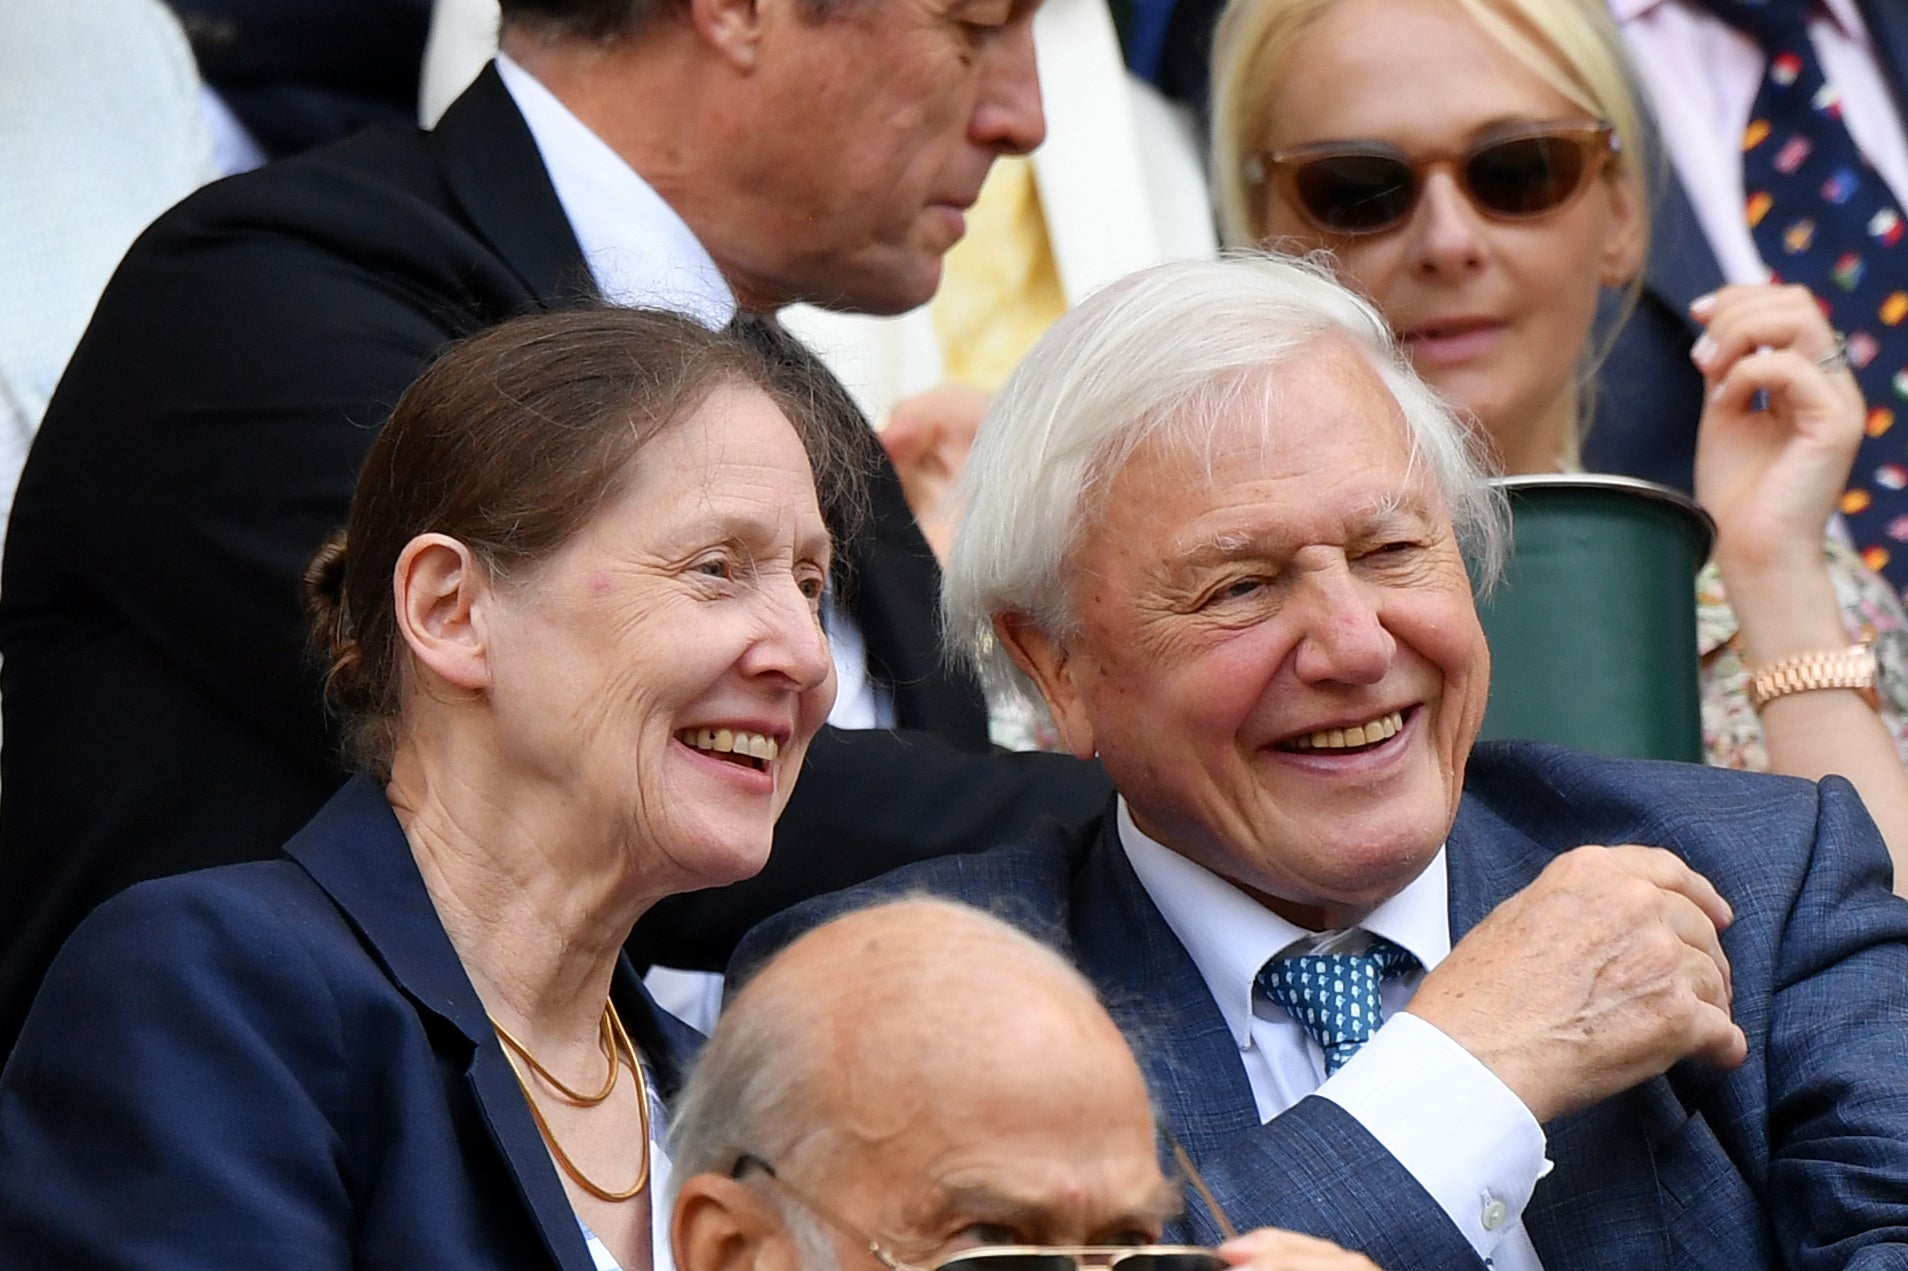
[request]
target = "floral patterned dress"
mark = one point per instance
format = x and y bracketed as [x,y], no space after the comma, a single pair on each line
[1732,732]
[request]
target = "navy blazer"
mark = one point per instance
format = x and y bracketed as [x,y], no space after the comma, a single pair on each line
[283,1064]
[1649,395]
[1797,1159]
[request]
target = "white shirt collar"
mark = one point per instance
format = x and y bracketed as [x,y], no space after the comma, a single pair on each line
[1229,935]
[638,250]
[1843,12]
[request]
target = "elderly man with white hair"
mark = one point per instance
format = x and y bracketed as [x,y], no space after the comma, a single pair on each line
[1451,1005]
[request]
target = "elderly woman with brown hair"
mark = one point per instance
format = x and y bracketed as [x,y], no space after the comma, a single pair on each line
[575,612]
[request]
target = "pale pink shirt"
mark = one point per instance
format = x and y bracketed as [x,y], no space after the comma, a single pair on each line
[1702,75]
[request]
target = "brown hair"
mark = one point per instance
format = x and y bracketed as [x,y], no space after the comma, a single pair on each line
[511,442]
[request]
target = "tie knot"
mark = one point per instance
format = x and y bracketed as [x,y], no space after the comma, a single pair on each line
[1336,997]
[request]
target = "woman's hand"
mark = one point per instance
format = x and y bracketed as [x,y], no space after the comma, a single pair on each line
[1772,477]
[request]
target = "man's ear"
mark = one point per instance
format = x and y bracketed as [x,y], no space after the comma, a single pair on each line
[1046,662]
[733,28]
[721,1224]
[443,603]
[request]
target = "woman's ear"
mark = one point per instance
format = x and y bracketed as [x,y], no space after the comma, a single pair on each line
[1625,240]
[721,1224]
[1046,662]
[442,598]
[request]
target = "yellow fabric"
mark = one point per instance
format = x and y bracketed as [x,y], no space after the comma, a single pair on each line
[999,288]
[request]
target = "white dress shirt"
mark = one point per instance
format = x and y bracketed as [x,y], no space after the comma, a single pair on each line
[1440,1113]
[1703,75]
[640,252]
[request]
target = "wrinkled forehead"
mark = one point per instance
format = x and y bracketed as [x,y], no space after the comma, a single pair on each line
[1327,419]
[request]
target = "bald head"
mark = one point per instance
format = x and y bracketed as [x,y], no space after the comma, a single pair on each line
[922,1067]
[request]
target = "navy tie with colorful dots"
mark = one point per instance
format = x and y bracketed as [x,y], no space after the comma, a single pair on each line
[1823,217]
[1335,996]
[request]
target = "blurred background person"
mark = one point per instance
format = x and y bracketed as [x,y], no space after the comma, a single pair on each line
[919,1084]
[1486,213]
[575,621]
[100,131]
[285,76]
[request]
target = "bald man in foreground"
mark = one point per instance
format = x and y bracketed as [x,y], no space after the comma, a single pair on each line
[867,1102]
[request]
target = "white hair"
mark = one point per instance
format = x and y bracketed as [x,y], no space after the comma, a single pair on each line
[1166,355]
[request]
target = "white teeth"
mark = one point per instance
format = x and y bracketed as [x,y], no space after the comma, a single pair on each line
[1385,726]
[723,741]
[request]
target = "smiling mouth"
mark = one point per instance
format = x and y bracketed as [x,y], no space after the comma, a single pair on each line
[746,750]
[1347,740]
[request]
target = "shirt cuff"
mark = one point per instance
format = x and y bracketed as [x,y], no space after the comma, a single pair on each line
[1449,1121]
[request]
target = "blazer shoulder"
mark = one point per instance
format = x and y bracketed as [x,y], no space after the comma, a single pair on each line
[1724,822]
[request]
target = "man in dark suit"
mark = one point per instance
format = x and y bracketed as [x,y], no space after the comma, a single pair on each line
[1649,395]
[1381,982]
[161,711]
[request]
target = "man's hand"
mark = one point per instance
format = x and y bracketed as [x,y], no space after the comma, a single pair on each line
[1599,975]
[1270,1250]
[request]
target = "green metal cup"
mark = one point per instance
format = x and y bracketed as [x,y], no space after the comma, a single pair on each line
[1593,628]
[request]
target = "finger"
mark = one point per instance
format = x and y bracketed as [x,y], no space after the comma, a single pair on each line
[1719,1040]
[1816,403]
[1672,873]
[1758,318]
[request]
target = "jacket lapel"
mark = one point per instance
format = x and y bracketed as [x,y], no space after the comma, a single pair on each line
[494,170]
[1602,1203]
[1887,22]
[1155,993]
[358,854]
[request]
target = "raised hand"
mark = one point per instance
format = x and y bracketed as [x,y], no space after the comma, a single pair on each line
[1601,974]
[1771,477]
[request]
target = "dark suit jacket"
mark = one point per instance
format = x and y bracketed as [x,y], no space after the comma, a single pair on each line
[161,713]
[1649,395]
[1797,1159]
[283,1064]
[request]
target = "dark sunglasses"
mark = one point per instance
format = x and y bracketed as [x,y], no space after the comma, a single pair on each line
[1367,187]
[1006,1257]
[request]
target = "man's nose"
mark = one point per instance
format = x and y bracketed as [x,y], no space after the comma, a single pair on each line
[1344,638]
[1446,229]
[1008,116]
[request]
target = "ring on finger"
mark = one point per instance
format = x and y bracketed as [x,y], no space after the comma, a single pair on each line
[1836,359]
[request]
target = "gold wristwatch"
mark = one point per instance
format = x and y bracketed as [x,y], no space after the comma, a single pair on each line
[1853,667]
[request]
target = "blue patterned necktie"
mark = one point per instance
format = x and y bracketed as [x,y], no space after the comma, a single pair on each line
[1822,217]
[1335,996]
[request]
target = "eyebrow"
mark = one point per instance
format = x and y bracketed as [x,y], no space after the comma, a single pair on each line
[982,1201]
[1218,549]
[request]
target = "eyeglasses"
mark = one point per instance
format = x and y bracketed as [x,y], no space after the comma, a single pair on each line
[1006,1257]
[1354,188]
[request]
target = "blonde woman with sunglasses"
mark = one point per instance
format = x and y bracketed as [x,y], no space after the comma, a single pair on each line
[1473,165]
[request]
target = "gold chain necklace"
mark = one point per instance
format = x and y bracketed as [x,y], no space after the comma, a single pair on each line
[605,1039]
[620,1048]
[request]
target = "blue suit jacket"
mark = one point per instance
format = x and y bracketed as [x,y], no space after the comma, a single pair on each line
[1649,396]
[282,1064]
[1797,1159]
